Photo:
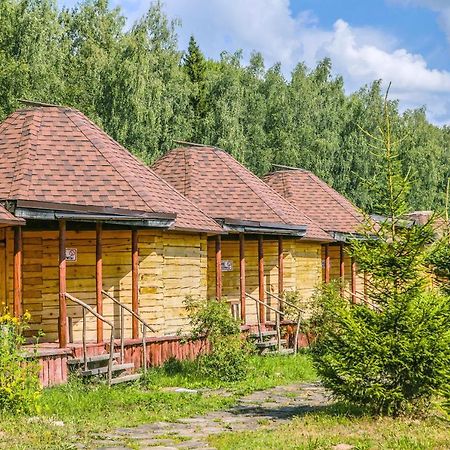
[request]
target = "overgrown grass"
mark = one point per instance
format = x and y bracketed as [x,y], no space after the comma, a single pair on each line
[335,425]
[75,413]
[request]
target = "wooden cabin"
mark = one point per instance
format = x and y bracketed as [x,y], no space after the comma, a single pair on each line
[87,231]
[332,211]
[270,246]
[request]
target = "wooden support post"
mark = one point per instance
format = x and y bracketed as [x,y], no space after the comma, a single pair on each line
[135,282]
[327,263]
[218,267]
[242,276]
[353,280]
[365,286]
[18,272]
[262,309]
[99,279]
[342,266]
[280,270]
[62,285]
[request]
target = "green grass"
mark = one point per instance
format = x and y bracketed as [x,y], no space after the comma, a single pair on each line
[338,425]
[87,410]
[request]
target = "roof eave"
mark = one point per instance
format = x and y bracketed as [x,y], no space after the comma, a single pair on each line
[256,227]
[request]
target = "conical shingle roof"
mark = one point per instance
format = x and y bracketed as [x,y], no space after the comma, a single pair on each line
[311,195]
[56,155]
[225,189]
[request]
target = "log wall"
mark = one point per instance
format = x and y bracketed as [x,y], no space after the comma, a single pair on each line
[171,267]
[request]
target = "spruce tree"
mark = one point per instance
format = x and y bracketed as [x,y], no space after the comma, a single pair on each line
[195,66]
[389,351]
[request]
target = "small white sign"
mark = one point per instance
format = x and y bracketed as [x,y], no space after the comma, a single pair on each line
[227,265]
[71,254]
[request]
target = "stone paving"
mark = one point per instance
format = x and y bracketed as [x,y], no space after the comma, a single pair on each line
[268,408]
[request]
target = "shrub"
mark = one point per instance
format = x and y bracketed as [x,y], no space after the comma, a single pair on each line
[389,360]
[19,382]
[228,356]
[390,351]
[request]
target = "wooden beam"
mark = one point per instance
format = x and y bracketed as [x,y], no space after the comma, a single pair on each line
[365,285]
[262,308]
[242,276]
[353,280]
[218,267]
[135,281]
[99,279]
[62,331]
[327,263]
[342,266]
[280,270]
[18,272]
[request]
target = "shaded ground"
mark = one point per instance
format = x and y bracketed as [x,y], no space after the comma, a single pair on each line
[261,409]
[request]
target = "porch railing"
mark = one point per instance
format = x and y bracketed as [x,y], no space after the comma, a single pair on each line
[86,308]
[300,311]
[278,315]
[145,326]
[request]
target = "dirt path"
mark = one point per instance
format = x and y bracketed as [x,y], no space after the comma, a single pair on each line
[268,408]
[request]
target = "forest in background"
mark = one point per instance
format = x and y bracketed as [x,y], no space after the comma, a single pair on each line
[136,83]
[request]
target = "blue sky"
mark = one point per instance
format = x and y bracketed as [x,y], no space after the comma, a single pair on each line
[406,42]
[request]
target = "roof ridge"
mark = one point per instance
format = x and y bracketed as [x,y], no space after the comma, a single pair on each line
[334,194]
[25,155]
[106,158]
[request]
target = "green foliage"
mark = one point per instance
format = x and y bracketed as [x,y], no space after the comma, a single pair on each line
[19,383]
[391,350]
[136,83]
[228,355]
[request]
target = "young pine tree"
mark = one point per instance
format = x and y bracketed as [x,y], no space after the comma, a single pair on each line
[389,351]
[195,67]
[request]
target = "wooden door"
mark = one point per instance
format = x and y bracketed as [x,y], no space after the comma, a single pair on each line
[3,272]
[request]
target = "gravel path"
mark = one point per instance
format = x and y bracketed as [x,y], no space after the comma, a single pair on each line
[268,408]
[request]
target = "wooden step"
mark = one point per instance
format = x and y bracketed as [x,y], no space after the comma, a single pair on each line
[104,369]
[268,344]
[263,334]
[126,378]
[90,359]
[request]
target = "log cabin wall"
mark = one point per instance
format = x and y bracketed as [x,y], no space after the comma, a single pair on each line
[302,270]
[171,267]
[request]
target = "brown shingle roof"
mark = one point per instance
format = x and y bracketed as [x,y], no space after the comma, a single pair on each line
[225,189]
[6,218]
[57,155]
[314,197]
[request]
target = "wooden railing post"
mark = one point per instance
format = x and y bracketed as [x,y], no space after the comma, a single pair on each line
[135,282]
[342,266]
[218,267]
[280,271]
[242,276]
[62,285]
[99,279]
[262,309]
[353,280]
[18,272]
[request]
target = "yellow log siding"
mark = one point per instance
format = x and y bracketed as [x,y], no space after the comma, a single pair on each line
[302,270]
[171,267]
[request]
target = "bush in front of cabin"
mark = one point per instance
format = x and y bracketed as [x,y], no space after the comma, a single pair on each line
[389,350]
[228,355]
[19,382]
